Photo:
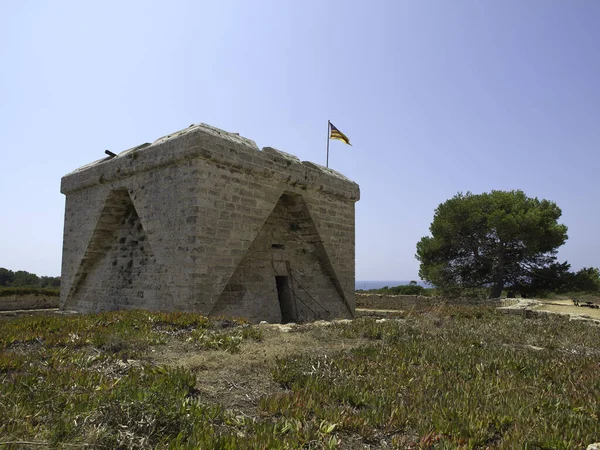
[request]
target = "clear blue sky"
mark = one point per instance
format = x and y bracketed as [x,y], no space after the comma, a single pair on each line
[437,97]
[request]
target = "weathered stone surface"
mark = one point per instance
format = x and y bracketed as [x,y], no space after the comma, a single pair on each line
[401,302]
[27,301]
[202,220]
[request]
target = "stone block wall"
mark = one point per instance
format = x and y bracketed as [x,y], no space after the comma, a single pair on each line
[382,301]
[202,220]
[27,301]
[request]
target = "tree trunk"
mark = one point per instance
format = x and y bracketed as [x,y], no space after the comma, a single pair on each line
[499,276]
[497,288]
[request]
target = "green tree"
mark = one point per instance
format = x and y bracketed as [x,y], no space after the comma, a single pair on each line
[554,277]
[586,279]
[6,276]
[49,281]
[493,239]
[24,278]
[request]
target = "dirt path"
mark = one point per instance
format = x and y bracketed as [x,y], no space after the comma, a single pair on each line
[566,306]
[238,381]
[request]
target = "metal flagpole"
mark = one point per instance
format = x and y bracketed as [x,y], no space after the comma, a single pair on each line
[328,128]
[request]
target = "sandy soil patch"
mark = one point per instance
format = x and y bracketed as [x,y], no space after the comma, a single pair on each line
[566,306]
[237,381]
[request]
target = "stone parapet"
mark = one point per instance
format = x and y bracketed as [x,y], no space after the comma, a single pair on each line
[220,147]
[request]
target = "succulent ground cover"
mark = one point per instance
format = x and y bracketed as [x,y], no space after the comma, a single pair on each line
[448,377]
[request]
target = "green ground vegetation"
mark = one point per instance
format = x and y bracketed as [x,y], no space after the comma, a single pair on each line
[442,378]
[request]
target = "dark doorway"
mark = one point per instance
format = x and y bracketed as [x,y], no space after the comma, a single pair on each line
[285,299]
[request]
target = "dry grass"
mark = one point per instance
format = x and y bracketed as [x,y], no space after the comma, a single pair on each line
[564,304]
[238,380]
[567,307]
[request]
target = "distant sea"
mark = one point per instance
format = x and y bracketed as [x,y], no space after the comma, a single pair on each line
[366,285]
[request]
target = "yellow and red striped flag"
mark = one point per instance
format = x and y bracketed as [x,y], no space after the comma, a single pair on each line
[334,133]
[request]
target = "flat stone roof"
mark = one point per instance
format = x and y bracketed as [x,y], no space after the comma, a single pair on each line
[218,146]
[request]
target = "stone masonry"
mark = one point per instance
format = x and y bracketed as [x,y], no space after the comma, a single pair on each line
[202,220]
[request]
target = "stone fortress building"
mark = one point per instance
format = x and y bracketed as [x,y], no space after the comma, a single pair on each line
[202,220]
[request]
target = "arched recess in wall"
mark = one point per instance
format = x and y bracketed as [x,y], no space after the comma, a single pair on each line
[287,245]
[119,268]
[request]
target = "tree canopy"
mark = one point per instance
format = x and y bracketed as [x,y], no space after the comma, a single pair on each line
[22,278]
[557,278]
[492,239]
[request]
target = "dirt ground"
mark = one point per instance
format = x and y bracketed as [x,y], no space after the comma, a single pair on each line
[238,381]
[566,306]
